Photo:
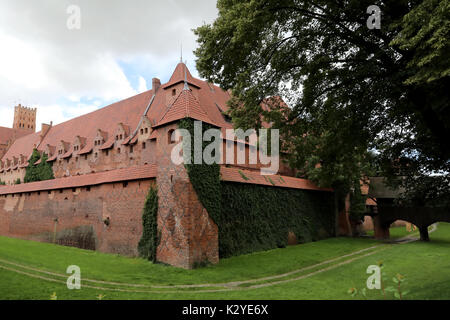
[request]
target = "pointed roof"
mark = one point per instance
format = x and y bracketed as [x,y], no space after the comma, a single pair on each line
[181,74]
[184,106]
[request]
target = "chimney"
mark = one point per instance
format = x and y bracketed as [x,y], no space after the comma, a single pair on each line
[45,128]
[156,83]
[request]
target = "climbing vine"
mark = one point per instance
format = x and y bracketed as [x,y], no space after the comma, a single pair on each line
[205,178]
[150,237]
[253,217]
[256,217]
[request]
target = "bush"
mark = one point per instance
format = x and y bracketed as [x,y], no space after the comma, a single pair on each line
[42,171]
[150,238]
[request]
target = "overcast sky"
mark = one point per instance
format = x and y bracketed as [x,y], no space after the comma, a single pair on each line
[120,46]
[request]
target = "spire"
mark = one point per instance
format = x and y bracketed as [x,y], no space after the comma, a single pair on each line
[181,53]
[186,86]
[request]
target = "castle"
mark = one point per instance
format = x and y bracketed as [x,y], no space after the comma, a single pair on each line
[24,124]
[105,162]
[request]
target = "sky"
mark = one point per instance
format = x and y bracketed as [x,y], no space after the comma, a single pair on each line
[68,58]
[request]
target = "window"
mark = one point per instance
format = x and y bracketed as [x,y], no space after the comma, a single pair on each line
[170,137]
[131,149]
[107,152]
[143,145]
[174,92]
[118,150]
[142,131]
[146,130]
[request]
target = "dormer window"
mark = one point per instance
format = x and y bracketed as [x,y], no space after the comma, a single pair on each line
[142,131]
[146,130]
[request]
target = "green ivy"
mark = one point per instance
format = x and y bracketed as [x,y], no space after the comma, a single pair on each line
[256,217]
[40,172]
[205,178]
[150,237]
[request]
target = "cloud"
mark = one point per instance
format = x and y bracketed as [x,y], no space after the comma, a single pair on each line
[120,46]
[142,85]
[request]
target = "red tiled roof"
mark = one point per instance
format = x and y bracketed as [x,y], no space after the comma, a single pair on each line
[127,174]
[153,135]
[207,105]
[254,177]
[7,134]
[179,75]
[108,144]
[88,148]
[185,105]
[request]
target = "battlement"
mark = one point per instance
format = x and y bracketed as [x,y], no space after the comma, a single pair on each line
[24,118]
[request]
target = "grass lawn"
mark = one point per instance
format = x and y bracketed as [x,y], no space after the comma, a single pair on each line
[426,267]
[396,232]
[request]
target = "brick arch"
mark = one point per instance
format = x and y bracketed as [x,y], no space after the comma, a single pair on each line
[422,217]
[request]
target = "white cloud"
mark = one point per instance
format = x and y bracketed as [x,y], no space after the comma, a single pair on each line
[142,85]
[43,63]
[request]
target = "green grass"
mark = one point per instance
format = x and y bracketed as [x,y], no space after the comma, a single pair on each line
[425,265]
[396,232]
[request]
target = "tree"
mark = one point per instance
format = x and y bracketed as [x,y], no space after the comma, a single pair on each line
[350,89]
[38,172]
[31,171]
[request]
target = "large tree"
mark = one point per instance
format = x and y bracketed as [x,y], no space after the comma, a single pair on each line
[349,88]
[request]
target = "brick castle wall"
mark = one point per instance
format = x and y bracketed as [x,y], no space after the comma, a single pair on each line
[188,234]
[78,215]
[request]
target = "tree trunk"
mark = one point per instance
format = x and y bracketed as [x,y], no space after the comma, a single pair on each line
[424,233]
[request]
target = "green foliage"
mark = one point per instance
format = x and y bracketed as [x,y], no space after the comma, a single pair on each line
[205,178]
[40,172]
[2,183]
[426,32]
[150,238]
[351,89]
[17,181]
[253,218]
[259,218]
[244,176]
[357,203]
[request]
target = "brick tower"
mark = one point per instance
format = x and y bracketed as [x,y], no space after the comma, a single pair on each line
[24,118]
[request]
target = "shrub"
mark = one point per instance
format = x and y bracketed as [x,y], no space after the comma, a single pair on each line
[150,237]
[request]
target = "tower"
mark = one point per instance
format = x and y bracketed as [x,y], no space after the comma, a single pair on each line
[24,118]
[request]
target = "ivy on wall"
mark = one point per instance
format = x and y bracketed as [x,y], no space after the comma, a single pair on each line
[150,237]
[205,178]
[253,217]
[38,172]
[256,217]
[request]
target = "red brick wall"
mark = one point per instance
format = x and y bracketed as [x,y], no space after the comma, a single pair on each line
[80,214]
[188,235]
